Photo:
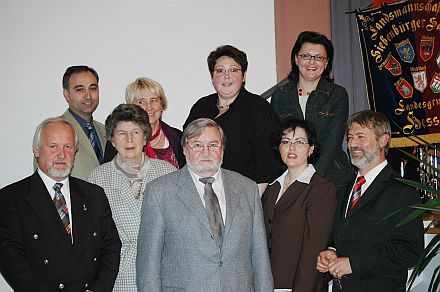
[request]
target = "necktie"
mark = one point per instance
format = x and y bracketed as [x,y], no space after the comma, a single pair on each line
[356,193]
[93,142]
[213,211]
[60,204]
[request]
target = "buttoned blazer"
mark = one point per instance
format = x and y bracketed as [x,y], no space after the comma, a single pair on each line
[298,228]
[176,247]
[36,253]
[380,253]
[85,158]
[126,210]
[327,110]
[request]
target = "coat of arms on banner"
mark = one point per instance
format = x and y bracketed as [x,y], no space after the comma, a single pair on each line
[426,47]
[419,78]
[393,65]
[435,83]
[405,50]
[404,88]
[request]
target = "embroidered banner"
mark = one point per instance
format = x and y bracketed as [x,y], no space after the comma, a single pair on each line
[400,46]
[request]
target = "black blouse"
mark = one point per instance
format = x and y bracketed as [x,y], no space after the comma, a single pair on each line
[249,126]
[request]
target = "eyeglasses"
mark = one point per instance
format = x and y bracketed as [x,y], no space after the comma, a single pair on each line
[222,71]
[297,143]
[199,147]
[307,57]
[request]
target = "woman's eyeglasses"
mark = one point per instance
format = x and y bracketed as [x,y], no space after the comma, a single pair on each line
[307,57]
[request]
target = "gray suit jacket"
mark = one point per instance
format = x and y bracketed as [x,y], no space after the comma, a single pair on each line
[176,249]
[85,159]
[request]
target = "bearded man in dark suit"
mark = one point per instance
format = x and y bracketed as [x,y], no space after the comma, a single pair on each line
[370,253]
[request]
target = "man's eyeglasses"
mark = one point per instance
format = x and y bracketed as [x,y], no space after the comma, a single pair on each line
[222,71]
[307,57]
[297,143]
[199,147]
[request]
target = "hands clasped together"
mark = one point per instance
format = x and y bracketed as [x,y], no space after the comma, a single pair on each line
[328,261]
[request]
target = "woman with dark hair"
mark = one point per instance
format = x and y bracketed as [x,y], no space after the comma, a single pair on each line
[298,211]
[247,119]
[123,180]
[311,94]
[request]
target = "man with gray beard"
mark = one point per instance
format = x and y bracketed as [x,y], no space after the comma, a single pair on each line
[57,231]
[202,226]
[368,252]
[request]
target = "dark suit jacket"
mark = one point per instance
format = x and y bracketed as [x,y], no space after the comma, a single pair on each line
[298,228]
[327,110]
[380,253]
[36,254]
[174,135]
[249,125]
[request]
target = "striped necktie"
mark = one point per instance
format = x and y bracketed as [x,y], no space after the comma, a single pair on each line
[61,206]
[93,142]
[356,193]
[213,210]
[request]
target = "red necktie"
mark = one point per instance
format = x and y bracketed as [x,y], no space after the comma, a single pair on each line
[356,193]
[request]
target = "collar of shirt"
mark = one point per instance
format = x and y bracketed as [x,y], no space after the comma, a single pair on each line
[369,178]
[304,177]
[82,122]
[49,183]
[217,186]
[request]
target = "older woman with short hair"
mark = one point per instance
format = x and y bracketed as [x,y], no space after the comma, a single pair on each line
[123,180]
[164,142]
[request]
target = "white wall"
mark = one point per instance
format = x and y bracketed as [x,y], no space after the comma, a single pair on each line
[167,40]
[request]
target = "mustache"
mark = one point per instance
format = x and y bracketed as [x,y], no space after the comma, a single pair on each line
[355,149]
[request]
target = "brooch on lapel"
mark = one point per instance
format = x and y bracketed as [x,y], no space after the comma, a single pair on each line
[326,114]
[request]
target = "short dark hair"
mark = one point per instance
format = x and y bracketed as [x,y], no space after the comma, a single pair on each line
[127,113]
[375,121]
[228,51]
[290,124]
[77,69]
[317,39]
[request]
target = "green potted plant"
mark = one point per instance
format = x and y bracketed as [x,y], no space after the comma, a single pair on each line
[430,206]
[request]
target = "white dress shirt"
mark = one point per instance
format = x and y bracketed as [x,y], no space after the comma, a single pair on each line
[304,177]
[369,178]
[49,183]
[218,188]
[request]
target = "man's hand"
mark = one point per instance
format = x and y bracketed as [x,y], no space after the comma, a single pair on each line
[324,259]
[340,267]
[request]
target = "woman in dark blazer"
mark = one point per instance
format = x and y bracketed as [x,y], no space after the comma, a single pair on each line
[311,95]
[298,210]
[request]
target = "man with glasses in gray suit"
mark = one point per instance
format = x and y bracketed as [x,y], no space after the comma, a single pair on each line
[202,226]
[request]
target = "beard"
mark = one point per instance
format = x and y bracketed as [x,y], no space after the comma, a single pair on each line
[60,173]
[205,168]
[365,159]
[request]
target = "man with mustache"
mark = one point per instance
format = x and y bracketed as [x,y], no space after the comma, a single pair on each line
[202,226]
[369,253]
[57,231]
[81,91]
